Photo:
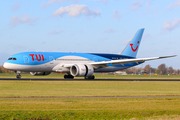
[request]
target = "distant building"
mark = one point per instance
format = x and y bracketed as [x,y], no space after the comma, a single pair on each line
[120,73]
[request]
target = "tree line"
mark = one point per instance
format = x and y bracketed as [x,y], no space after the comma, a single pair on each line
[161,70]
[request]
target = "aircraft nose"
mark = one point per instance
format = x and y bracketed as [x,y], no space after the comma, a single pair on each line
[5,65]
[10,66]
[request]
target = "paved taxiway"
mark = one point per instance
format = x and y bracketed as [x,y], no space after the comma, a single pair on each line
[107,79]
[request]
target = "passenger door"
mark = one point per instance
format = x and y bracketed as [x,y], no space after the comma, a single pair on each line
[26,59]
[51,59]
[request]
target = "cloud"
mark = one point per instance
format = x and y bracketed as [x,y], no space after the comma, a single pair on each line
[104,1]
[148,9]
[173,5]
[15,6]
[116,14]
[151,11]
[76,10]
[54,32]
[109,30]
[147,3]
[46,4]
[170,25]
[136,5]
[15,20]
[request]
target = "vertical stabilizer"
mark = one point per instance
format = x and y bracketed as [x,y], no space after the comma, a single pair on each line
[132,48]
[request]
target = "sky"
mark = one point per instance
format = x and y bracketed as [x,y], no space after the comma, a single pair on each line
[91,26]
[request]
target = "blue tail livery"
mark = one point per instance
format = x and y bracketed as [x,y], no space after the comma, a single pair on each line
[133,46]
[77,64]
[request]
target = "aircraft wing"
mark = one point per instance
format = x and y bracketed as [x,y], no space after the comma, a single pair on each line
[124,61]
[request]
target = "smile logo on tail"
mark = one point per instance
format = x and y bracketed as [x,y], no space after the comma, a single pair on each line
[134,50]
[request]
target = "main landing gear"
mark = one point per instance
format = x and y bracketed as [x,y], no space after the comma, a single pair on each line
[18,76]
[92,77]
[68,77]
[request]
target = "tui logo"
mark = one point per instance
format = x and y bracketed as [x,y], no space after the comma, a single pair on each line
[134,50]
[37,57]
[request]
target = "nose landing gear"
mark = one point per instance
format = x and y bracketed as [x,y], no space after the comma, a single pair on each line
[18,76]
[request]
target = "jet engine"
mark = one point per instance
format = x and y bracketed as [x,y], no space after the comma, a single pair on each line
[40,73]
[80,70]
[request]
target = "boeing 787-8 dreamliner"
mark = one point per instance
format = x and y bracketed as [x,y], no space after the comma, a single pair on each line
[77,64]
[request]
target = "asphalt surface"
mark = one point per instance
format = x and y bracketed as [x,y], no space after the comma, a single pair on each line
[107,79]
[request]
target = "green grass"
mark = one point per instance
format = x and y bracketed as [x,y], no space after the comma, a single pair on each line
[124,108]
[106,76]
[87,88]
[92,108]
[97,76]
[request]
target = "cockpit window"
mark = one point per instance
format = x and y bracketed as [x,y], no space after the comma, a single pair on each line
[12,59]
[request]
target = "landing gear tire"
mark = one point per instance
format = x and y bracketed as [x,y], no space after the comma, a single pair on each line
[68,77]
[92,77]
[18,76]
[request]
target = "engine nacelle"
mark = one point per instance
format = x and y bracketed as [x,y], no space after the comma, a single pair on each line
[40,73]
[80,70]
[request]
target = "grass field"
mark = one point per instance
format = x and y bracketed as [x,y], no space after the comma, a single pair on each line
[92,108]
[87,88]
[125,108]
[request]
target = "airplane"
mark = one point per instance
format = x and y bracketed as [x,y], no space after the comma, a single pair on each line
[77,64]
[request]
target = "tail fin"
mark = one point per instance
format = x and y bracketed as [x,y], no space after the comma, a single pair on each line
[132,48]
